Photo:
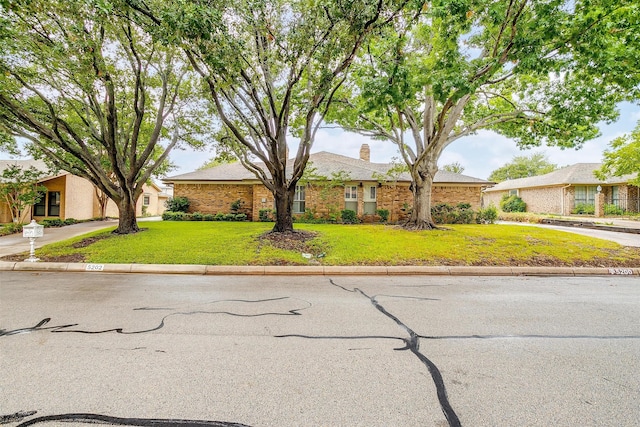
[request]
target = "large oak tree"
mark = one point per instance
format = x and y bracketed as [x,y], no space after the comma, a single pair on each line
[540,72]
[93,94]
[271,68]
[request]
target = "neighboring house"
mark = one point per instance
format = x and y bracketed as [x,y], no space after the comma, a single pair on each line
[70,196]
[363,190]
[560,191]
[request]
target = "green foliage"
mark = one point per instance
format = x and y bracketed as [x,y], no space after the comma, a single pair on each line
[444,213]
[92,93]
[611,209]
[271,69]
[266,215]
[522,167]
[239,243]
[512,203]
[383,214]
[19,189]
[454,167]
[11,228]
[623,158]
[236,206]
[348,216]
[487,215]
[197,216]
[224,157]
[584,209]
[177,204]
[536,72]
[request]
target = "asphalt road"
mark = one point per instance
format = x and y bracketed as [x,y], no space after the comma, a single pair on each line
[160,350]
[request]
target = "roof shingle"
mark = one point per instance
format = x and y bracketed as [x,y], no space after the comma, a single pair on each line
[325,164]
[578,174]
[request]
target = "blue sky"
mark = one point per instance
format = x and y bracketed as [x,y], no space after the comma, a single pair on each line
[479,154]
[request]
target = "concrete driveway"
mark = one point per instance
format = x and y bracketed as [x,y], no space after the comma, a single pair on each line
[160,350]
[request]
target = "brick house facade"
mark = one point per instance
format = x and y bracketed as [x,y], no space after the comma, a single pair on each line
[211,191]
[560,191]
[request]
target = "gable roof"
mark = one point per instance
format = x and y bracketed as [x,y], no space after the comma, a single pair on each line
[26,164]
[578,174]
[325,164]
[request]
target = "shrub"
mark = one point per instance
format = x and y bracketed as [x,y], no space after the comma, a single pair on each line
[10,228]
[197,216]
[52,222]
[584,209]
[180,216]
[236,206]
[229,217]
[266,215]
[383,214]
[487,215]
[177,204]
[444,213]
[521,217]
[348,216]
[208,217]
[512,203]
[219,216]
[463,214]
[611,209]
[70,221]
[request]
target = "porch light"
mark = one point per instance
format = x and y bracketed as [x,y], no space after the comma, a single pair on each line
[32,232]
[599,188]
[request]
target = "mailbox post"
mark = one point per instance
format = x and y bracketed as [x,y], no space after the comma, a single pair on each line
[32,231]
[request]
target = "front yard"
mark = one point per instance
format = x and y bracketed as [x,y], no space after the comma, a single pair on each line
[245,243]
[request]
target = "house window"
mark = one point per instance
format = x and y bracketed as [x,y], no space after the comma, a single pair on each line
[298,199]
[351,198]
[370,204]
[513,192]
[53,205]
[39,209]
[146,199]
[585,194]
[615,195]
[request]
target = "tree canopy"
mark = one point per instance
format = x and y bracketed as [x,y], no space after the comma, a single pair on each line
[538,72]
[522,167]
[623,158]
[271,69]
[454,167]
[94,94]
[19,189]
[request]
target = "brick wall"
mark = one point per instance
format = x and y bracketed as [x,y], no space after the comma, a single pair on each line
[217,198]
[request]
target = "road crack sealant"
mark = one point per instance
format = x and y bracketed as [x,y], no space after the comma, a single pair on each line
[412,344]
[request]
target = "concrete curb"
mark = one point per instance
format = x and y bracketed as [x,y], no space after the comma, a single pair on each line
[229,270]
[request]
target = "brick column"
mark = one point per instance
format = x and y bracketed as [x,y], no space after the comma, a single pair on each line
[599,204]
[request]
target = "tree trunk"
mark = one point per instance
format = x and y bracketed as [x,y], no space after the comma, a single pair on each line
[420,218]
[103,199]
[284,204]
[127,223]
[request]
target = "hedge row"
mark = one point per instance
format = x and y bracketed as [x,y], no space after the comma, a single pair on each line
[197,216]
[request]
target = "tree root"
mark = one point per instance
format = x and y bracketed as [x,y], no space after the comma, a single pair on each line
[419,225]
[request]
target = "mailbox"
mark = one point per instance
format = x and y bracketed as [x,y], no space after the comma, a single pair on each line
[33,230]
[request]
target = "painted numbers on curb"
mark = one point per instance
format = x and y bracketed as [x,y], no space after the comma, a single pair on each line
[621,271]
[94,267]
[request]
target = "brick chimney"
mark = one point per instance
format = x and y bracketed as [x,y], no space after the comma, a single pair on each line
[365,153]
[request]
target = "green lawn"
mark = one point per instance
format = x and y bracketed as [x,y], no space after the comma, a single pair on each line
[238,243]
